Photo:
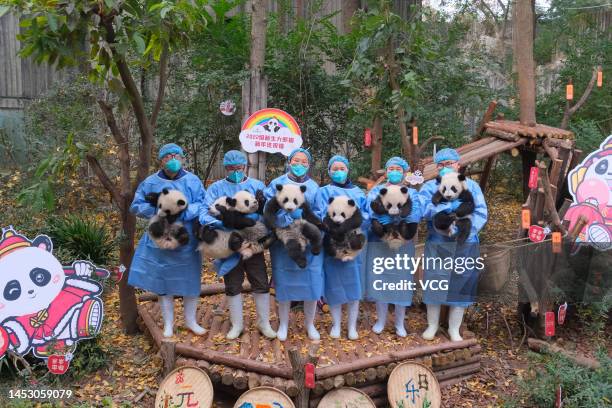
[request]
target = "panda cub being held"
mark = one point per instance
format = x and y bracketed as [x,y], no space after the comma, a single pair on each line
[301,232]
[164,229]
[344,239]
[393,200]
[453,187]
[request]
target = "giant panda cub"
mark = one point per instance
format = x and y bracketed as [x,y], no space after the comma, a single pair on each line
[164,229]
[249,238]
[301,232]
[344,239]
[452,186]
[394,201]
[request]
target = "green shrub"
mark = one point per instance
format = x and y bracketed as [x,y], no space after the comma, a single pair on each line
[83,238]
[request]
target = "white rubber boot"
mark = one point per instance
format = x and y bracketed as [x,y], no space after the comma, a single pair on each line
[455,317]
[283,320]
[190,308]
[262,304]
[235,309]
[353,314]
[336,313]
[433,322]
[400,314]
[310,311]
[381,317]
[166,304]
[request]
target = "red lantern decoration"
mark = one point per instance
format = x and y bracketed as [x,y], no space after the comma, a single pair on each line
[533,177]
[309,375]
[57,364]
[367,137]
[549,324]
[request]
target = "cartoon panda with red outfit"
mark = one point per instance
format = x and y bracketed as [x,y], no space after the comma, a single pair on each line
[590,184]
[45,306]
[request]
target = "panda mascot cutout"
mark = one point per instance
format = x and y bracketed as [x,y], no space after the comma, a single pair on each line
[344,239]
[393,200]
[452,187]
[164,229]
[301,232]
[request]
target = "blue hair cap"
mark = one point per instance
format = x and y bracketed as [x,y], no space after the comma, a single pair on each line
[337,158]
[170,148]
[397,161]
[298,150]
[446,154]
[234,158]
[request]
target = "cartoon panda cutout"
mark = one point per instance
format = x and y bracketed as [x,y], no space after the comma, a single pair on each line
[44,306]
[272,125]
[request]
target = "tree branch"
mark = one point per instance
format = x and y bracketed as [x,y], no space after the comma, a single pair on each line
[104,179]
[429,141]
[161,89]
[587,92]
[107,110]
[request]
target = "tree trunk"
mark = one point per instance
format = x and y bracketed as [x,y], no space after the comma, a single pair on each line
[377,140]
[255,89]
[523,50]
[349,7]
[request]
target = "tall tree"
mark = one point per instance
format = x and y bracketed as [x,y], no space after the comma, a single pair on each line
[123,36]
[523,35]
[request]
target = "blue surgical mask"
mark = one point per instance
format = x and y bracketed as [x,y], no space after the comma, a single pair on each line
[173,165]
[339,176]
[446,170]
[236,176]
[299,169]
[395,176]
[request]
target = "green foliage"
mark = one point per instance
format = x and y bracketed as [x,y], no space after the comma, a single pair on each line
[89,357]
[83,238]
[582,387]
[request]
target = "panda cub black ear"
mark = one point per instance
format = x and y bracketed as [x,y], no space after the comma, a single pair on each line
[331,200]
[303,188]
[404,190]
[383,191]
[180,203]
[461,177]
[351,202]
[231,201]
[279,187]
[165,191]
[438,179]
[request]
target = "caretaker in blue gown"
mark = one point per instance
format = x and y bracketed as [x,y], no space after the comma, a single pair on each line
[292,283]
[462,281]
[175,272]
[342,279]
[396,169]
[234,268]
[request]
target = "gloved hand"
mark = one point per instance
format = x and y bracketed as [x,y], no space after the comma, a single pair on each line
[152,198]
[296,214]
[261,201]
[385,219]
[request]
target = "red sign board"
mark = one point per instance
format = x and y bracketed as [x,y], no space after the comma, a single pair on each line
[533,177]
[57,364]
[549,324]
[309,375]
[536,233]
[367,137]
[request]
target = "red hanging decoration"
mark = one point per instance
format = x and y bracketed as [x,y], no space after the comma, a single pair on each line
[599,77]
[415,135]
[561,313]
[569,92]
[367,137]
[549,324]
[526,218]
[309,375]
[533,177]
[556,242]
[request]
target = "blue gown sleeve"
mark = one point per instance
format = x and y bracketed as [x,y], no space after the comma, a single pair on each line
[140,207]
[415,213]
[425,195]
[363,205]
[283,218]
[480,214]
[197,192]
[320,203]
[205,218]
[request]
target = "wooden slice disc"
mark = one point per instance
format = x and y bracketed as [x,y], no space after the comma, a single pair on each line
[413,385]
[185,386]
[264,397]
[346,397]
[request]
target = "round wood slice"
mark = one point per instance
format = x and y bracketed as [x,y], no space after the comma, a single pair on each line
[346,397]
[264,397]
[413,385]
[185,386]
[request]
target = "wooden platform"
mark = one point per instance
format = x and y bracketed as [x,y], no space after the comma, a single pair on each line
[254,360]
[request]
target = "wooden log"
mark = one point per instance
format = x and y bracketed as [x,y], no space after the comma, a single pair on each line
[511,137]
[538,215]
[360,377]
[227,378]
[254,380]
[579,226]
[241,380]
[544,347]
[381,401]
[203,365]
[487,117]
[390,367]
[550,199]
[292,389]
[328,383]
[551,151]
[457,371]
[339,381]
[350,379]
[374,390]
[216,370]
[205,290]
[486,173]
[298,362]
[460,363]
[318,389]
[280,384]
[381,372]
[267,381]
[371,373]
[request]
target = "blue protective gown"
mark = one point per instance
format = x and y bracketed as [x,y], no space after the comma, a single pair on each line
[169,272]
[290,281]
[462,287]
[377,249]
[218,189]
[342,279]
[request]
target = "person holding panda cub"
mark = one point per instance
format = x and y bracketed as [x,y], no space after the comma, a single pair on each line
[165,264]
[297,259]
[234,267]
[395,212]
[455,211]
[342,207]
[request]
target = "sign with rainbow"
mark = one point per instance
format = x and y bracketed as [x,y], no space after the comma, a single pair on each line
[270,130]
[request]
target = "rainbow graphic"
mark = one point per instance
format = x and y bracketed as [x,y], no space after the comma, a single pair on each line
[262,116]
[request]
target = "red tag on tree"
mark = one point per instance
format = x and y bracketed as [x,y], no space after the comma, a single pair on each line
[533,177]
[57,364]
[559,397]
[561,313]
[536,233]
[549,324]
[367,137]
[525,218]
[309,375]
[415,135]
